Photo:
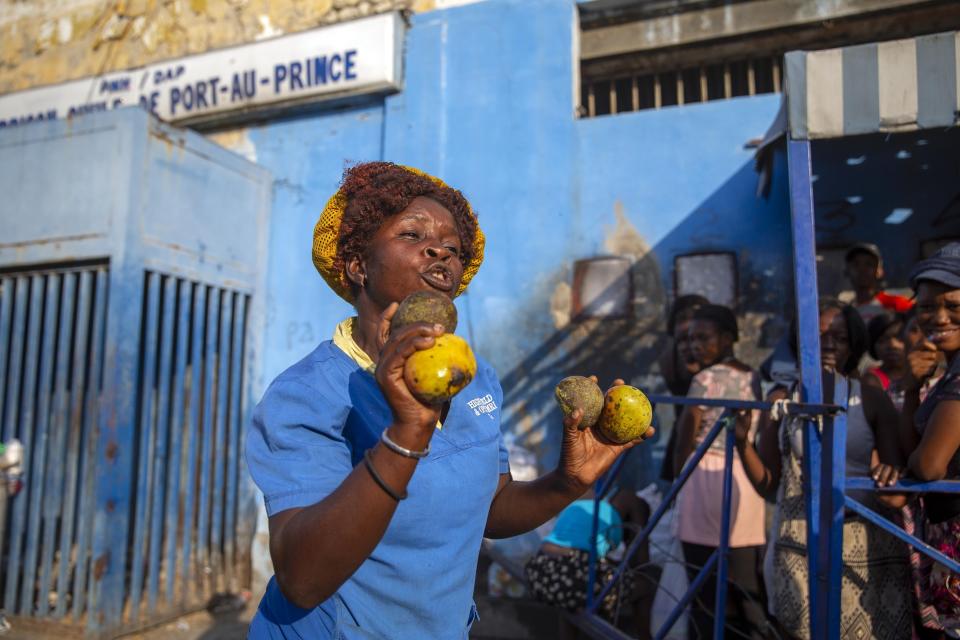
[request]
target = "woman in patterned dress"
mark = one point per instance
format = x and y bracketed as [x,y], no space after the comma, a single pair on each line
[875,602]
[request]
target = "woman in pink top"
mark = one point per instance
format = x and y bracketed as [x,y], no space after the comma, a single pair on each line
[713,333]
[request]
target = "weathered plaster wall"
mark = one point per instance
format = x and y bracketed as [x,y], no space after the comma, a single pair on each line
[50,41]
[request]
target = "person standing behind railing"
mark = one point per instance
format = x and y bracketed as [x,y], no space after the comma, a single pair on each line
[887,346]
[713,333]
[931,429]
[678,366]
[875,602]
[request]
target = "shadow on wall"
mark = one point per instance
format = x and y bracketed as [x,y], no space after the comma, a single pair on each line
[731,219]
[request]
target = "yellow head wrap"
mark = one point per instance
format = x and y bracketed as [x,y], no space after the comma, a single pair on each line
[326,235]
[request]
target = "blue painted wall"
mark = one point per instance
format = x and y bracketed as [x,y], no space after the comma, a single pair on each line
[488,106]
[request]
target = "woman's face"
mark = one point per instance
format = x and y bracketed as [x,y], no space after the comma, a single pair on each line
[707,343]
[834,340]
[912,334]
[681,336]
[890,347]
[938,315]
[416,249]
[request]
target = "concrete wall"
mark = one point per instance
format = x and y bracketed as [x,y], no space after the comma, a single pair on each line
[488,106]
[50,41]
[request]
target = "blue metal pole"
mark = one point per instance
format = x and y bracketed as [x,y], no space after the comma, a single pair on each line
[720,609]
[602,488]
[834,473]
[672,492]
[805,287]
[592,564]
[688,596]
[906,486]
[878,520]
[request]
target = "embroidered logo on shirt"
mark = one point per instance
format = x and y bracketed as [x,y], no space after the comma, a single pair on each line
[482,405]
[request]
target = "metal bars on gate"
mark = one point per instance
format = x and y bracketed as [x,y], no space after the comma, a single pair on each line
[718,560]
[52,324]
[187,476]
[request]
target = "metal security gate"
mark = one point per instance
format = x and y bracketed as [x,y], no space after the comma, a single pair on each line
[131,315]
[51,359]
[188,445]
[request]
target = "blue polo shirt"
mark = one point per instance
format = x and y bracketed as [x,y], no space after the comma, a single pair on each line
[310,430]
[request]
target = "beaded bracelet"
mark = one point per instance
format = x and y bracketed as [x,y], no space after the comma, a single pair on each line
[368,463]
[403,451]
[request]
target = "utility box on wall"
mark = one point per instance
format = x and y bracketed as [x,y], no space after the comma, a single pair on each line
[132,268]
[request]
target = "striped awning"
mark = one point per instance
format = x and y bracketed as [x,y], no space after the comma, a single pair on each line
[901,85]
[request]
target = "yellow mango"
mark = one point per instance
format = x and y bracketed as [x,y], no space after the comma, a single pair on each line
[626,414]
[437,374]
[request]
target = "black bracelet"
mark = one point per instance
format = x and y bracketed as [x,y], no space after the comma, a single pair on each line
[368,462]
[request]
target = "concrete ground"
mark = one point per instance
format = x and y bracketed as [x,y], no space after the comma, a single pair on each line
[202,626]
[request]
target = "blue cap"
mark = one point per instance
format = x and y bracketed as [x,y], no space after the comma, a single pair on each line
[942,267]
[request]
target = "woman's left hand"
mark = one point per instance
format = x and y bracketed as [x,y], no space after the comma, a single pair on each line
[585,455]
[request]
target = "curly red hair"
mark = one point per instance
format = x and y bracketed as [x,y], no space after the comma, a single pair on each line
[377,190]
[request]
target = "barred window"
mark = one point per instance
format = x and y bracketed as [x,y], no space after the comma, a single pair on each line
[718,81]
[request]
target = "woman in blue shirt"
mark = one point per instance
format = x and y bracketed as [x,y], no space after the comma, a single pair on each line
[378,503]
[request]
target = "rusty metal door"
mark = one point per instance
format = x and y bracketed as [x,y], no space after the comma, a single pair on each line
[132,263]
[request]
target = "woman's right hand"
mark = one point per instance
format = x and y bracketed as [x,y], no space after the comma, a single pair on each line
[743,422]
[921,364]
[395,348]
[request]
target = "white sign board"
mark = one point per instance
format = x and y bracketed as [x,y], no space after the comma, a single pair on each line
[362,56]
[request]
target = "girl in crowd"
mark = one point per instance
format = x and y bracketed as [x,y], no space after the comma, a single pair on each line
[678,366]
[377,502]
[886,345]
[712,334]
[930,428]
[874,602]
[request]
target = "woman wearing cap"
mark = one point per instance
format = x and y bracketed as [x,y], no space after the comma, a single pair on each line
[874,602]
[930,430]
[378,503]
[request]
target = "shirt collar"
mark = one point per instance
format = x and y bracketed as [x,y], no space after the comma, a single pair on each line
[343,338]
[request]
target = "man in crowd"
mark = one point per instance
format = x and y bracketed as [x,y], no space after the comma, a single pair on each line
[864,268]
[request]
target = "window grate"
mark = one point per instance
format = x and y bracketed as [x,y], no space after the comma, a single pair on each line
[718,81]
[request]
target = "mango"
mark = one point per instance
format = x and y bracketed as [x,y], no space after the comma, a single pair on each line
[437,374]
[426,306]
[626,414]
[577,392]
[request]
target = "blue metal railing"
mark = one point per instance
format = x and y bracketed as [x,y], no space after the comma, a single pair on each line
[833,417]
[718,560]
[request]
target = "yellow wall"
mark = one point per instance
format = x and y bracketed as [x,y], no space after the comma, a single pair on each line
[49,41]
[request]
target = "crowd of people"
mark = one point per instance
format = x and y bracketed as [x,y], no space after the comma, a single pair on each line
[895,358]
